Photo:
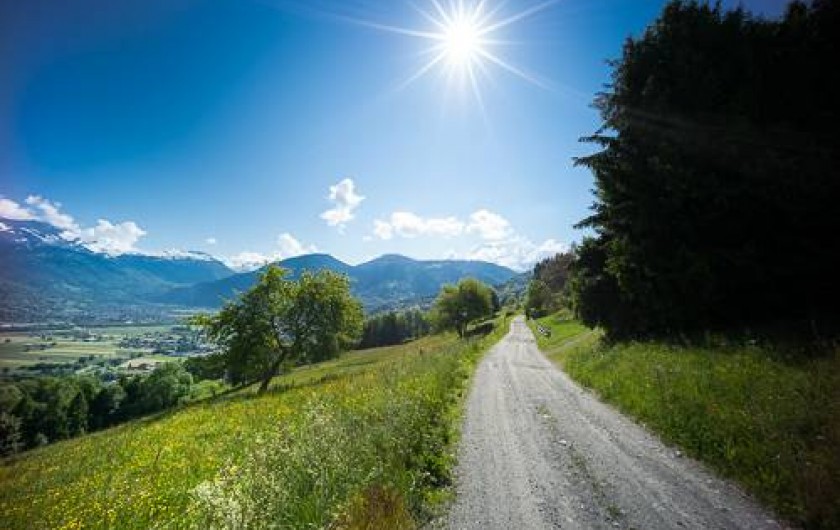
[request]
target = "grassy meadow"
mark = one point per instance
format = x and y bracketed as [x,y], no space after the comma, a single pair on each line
[769,421]
[364,441]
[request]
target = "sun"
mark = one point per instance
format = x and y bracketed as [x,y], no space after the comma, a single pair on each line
[462,42]
[464,39]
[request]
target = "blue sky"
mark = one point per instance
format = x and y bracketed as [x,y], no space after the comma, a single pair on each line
[262,129]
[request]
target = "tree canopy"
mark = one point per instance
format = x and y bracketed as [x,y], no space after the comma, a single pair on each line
[282,321]
[458,305]
[40,410]
[547,288]
[717,181]
[394,328]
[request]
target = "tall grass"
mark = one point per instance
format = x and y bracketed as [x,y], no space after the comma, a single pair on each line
[361,442]
[373,454]
[389,429]
[771,424]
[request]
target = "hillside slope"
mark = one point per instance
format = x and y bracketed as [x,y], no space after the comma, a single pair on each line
[374,424]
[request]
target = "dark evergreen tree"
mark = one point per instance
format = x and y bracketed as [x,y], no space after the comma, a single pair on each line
[718,179]
[394,328]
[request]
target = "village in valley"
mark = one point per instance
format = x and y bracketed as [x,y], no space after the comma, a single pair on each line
[103,352]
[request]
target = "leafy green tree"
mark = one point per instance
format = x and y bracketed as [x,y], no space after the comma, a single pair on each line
[10,434]
[167,386]
[77,415]
[538,298]
[104,408]
[281,321]
[10,394]
[458,305]
[48,415]
[547,290]
[207,367]
[495,301]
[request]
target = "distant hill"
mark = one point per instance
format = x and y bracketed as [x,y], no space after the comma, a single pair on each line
[382,283]
[213,293]
[44,275]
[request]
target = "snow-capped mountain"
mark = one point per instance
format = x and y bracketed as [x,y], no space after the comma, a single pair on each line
[43,268]
[32,234]
[45,271]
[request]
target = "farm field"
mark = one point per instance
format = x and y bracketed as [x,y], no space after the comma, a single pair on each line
[325,441]
[22,349]
[17,350]
[130,331]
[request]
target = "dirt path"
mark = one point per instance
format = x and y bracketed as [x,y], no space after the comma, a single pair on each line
[538,451]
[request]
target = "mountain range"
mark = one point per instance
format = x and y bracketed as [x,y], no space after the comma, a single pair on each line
[385,282]
[45,276]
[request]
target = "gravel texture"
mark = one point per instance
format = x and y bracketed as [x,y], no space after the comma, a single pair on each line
[538,451]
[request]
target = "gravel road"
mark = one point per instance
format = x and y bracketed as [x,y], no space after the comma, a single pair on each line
[538,451]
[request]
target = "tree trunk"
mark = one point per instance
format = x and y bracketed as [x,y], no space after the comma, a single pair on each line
[269,375]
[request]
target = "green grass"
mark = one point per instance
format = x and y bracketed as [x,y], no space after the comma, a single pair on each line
[565,333]
[769,423]
[361,441]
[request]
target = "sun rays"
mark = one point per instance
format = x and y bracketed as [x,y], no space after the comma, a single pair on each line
[463,41]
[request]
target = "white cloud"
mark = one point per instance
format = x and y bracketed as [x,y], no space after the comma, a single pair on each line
[484,223]
[247,261]
[489,225]
[9,209]
[410,225]
[211,241]
[407,224]
[518,252]
[112,238]
[500,242]
[382,229]
[345,200]
[108,237]
[444,226]
[290,247]
[51,213]
[287,247]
